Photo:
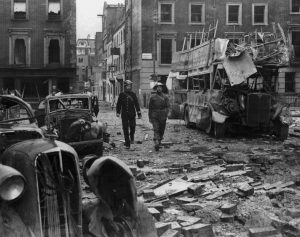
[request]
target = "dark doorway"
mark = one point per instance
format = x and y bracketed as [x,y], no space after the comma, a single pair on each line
[20,52]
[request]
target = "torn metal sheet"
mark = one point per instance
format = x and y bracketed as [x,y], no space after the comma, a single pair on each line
[239,68]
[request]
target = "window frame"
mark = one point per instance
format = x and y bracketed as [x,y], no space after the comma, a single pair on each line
[172,12]
[291,9]
[266,14]
[240,13]
[202,13]
[171,36]
[13,13]
[48,36]
[293,83]
[291,37]
[61,11]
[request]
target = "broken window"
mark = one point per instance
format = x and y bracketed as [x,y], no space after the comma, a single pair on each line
[19,9]
[54,9]
[259,14]
[290,81]
[54,51]
[233,14]
[295,8]
[196,11]
[20,52]
[166,13]
[166,51]
[296,43]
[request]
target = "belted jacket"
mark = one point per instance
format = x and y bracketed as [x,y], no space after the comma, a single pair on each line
[158,106]
[128,105]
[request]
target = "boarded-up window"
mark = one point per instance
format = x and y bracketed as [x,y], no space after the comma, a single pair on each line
[290,81]
[166,13]
[54,9]
[166,51]
[20,52]
[233,14]
[295,6]
[296,43]
[19,9]
[259,14]
[196,13]
[54,51]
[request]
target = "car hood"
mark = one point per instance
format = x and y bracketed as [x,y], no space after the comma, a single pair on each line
[8,128]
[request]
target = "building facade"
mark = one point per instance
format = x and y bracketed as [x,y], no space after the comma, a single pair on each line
[154,30]
[38,46]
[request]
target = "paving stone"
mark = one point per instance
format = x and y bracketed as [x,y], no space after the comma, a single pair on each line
[293,212]
[262,231]
[162,227]
[227,218]
[184,200]
[203,230]
[148,193]
[196,189]
[171,233]
[234,167]
[246,189]
[192,206]
[157,206]
[229,208]
[189,219]
[154,212]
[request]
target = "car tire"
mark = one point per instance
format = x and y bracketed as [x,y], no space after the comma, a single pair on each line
[187,118]
[219,130]
[282,131]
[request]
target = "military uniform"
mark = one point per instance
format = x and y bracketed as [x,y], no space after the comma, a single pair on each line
[128,106]
[158,112]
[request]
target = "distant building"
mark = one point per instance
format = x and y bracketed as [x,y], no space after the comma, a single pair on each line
[85,61]
[38,46]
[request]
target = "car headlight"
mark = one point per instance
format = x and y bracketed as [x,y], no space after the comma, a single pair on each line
[12,183]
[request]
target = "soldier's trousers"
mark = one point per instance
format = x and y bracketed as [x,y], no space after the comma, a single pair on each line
[128,124]
[159,126]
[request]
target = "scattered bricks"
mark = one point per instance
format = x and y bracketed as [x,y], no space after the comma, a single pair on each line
[274,185]
[234,167]
[187,166]
[236,158]
[285,185]
[227,218]
[171,233]
[175,165]
[162,227]
[198,230]
[262,231]
[197,168]
[157,206]
[175,226]
[293,212]
[250,172]
[140,163]
[175,170]
[148,194]
[146,162]
[278,224]
[133,170]
[246,189]
[141,176]
[256,184]
[218,194]
[234,173]
[198,149]
[196,189]
[229,208]
[188,219]
[220,162]
[155,213]
[185,200]
[165,202]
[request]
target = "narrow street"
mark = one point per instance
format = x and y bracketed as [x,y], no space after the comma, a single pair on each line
[238,183]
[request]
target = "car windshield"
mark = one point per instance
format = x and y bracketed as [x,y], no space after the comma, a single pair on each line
[68,103]
[12,111]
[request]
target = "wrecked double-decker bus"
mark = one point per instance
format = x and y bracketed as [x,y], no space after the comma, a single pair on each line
[229,87]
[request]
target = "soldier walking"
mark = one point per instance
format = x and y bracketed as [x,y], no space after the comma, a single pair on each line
[158,112]
[128,106]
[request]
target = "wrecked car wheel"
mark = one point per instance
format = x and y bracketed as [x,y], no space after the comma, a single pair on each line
[219,130]
[282,131]
[187,118]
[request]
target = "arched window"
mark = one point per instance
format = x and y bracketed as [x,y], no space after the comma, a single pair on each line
[20,52]
[54,51]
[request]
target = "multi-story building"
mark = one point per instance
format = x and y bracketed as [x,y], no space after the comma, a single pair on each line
[38,46]
[85,61]
[154,30]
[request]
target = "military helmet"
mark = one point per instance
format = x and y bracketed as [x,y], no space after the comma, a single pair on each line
[128,82]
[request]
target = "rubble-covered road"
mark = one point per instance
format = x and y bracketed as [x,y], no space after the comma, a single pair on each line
[199,186]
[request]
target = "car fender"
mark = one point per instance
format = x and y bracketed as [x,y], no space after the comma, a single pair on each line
[218,118]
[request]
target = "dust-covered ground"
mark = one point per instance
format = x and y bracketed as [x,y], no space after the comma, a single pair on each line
[256,176]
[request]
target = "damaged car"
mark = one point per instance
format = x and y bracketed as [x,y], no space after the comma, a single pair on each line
[41,194]
[73,118]
[17,121]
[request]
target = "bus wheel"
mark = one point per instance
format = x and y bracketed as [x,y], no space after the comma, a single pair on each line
[187,118]
[219,130]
